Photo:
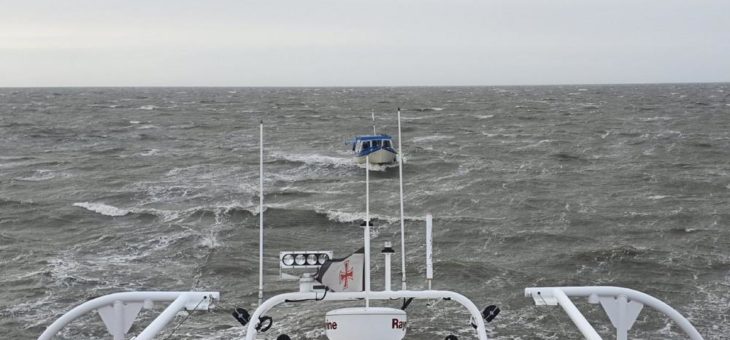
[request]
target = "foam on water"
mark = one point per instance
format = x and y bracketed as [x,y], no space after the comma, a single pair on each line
[314,159]
[42,175]
[150,152]
[101,208]
[434,138]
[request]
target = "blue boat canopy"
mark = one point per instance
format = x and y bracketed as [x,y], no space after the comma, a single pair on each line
[365,144]
[372,137]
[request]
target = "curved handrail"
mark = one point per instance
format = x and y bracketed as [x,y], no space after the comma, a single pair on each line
[630,294]
[187,300]
[380,295]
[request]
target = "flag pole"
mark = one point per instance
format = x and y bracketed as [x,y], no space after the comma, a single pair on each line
[261,212]
[367,231]
[402,222]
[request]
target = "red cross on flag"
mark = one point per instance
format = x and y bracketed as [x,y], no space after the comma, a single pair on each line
[344,275]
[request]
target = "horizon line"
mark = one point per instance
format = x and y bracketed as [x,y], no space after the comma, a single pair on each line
[363,86]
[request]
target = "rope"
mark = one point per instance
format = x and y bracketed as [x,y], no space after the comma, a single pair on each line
[185,319]
[562,329]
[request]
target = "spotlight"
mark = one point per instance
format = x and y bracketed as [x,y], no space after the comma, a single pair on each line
[300,259]
[303,259]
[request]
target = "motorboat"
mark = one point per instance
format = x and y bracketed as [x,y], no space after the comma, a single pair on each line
[377,149]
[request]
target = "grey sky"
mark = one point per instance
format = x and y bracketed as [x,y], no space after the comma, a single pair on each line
[361,43]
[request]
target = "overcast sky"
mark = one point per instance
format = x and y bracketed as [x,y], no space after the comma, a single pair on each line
[362,43]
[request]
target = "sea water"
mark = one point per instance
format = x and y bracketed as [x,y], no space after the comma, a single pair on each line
[105,190]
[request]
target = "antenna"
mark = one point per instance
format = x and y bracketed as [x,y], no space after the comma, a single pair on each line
[372,113]
[429,250]
[261,212]
[367,231]
[402,222]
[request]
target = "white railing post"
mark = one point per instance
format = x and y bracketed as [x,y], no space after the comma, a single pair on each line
[578,319]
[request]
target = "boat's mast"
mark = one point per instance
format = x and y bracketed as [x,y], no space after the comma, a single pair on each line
[402,222]
[261,212]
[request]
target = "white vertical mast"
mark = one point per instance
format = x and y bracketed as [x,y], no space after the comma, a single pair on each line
[429,250]
[402,222]
[261,212]
[367,231]
[372,113]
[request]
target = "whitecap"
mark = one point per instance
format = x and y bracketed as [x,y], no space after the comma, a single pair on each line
[314,159]
[657,118]
[484,116]
[432,138]
[101,208]
[148,107]
[134,122]
[150,152]
[380,167]
[657,197]
[38,175]
[533,145]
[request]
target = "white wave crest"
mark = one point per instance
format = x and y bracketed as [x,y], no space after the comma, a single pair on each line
[101,208]
[314,159]
[40,175]
[347,217]
[381,167]
[148,107]
[431,138]
[150,152]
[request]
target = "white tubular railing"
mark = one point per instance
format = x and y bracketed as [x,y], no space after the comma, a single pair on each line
[119,310]
[378,295]
[622,305]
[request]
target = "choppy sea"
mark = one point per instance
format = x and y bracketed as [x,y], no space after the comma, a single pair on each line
[116,189]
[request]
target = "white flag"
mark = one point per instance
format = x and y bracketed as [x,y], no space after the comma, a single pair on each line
[344,275]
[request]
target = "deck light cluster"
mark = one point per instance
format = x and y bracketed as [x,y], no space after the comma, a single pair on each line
[303,259]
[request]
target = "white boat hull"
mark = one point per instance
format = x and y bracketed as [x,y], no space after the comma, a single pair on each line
[378,157]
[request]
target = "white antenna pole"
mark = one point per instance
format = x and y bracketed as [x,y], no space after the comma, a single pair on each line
[402,222]
[372,113]
[261,212]
[429,250]
[367,230]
